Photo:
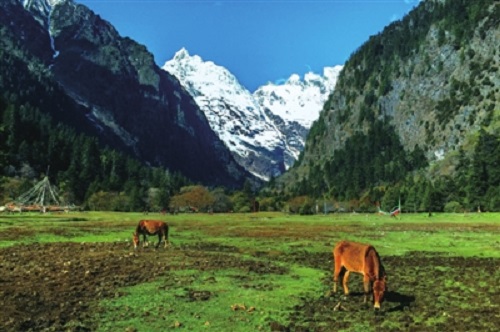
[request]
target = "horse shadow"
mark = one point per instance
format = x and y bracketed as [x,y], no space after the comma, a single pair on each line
[405,301]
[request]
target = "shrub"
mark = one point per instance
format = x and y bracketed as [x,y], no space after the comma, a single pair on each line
[301,204]
[453,206]
[244,209]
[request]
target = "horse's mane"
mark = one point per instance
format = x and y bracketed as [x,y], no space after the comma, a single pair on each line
[381,269]
[138,228]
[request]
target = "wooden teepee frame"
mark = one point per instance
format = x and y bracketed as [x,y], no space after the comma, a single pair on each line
[42,194]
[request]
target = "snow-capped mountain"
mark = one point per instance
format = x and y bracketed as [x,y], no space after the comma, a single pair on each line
[266,130]
[299,100]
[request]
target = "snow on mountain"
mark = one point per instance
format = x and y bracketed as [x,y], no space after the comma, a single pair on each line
[231,112]
[266,130]
[299,100]
[42,12]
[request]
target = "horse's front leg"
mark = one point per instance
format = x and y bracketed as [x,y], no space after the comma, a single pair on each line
[336,271]
[144,241]
[159,240]
[366,286]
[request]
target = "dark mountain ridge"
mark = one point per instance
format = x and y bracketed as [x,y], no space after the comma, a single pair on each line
[108,87]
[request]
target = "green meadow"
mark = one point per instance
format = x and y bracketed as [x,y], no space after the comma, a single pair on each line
[253,272]
[462,234]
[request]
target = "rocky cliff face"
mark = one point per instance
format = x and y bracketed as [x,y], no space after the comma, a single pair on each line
[125,97]
[433,76]
[265,130]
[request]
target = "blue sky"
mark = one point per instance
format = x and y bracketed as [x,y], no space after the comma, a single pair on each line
[259,41]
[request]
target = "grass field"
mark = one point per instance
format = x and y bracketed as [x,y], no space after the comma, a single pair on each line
[245,272]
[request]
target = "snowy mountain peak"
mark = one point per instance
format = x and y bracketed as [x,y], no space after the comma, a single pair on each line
[332,73]
[312,78]
[265,130]
[231,112]
[181,55]
[294,79]
[299,100]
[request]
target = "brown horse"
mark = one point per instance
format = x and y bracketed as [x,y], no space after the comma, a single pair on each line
[364,259]
[151,227]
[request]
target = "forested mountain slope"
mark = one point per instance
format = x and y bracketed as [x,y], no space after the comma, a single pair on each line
[415,114]
[60,59]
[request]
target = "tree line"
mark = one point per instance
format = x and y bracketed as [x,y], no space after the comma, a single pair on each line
[32,145]
[372,169]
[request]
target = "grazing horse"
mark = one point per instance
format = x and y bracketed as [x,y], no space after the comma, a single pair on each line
[151,227]
[364,259]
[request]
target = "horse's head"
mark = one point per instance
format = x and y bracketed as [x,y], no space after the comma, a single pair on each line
[379,287]
[135,239]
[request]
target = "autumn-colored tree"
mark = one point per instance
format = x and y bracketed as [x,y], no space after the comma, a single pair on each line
[301,204]
[269,204]
[10,189]
[109,201]
[197,198]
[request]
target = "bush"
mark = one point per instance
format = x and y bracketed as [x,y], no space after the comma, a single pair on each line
[245,209]
[453,206]
[307,208]
[301,204]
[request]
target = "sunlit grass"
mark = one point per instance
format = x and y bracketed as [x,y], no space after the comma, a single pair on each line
[455,234]
[235,301]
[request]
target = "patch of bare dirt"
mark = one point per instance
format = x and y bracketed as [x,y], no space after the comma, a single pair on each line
[54,287]
[426,293]
[46,286]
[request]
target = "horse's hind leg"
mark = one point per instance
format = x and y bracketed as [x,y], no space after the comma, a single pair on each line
[344,282]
